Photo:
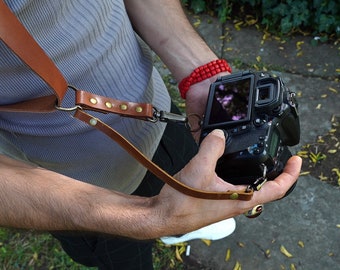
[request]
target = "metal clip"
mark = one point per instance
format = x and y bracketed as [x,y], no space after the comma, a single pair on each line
[169,117]
[292,102]
[259,182]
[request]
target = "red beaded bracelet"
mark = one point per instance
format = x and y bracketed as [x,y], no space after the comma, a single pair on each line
[201,73]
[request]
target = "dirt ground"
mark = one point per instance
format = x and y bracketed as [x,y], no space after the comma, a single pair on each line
[321,158]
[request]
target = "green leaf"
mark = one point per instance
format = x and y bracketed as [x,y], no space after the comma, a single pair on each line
[198,6]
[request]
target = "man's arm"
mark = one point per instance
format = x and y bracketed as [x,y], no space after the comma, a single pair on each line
[35,198]
[32,197]
[166,29]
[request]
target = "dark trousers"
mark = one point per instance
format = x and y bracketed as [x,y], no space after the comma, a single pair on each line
[175,150]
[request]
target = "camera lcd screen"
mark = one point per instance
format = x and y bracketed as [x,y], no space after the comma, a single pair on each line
[230,102]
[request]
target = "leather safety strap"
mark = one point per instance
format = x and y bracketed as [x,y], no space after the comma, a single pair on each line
[157,171]
[17,38]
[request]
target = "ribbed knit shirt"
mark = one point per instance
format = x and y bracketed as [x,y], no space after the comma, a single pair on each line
[94,46]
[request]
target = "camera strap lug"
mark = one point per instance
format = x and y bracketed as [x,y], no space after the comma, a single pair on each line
[259,182]
[292,102]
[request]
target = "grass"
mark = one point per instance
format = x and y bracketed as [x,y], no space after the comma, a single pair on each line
[31,250]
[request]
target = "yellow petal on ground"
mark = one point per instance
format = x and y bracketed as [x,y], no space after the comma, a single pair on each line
[332,151]
[241,244]
[285,252]
[322,177]
[303,154]
[35,256]
[206,241]
[318,107]
[197,23]
[301,244]
[251,22]
[292,266]
[333,90]
[298,44]
[337,171]
[304,173]
[228,49]
[227,255]
[338,226]
[178,254]
[320,140]
[238,25]
[258,58]
[256,67]
[237,266]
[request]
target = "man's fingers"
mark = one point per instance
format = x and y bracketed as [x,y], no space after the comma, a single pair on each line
[212,147]
[277,188]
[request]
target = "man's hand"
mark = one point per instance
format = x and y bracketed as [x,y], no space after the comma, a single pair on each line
[182,213]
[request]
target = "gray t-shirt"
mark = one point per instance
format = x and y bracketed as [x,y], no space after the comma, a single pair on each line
[94,46]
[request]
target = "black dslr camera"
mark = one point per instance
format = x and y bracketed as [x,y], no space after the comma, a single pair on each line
[259,114]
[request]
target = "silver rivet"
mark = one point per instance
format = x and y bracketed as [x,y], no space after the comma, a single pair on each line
[234,196]
[93,101]
[93,121]
[123,107]
[108,105]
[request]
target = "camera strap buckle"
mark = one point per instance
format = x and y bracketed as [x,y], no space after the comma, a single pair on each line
[259,182]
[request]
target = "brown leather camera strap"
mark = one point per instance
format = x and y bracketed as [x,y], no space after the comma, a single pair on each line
[17,38]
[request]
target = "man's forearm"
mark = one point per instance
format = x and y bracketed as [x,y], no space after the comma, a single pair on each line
[165,27]
[35,198]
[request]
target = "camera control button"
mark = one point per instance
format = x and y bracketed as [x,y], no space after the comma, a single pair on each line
[243,128]
[257,151]
[258,122]
[260,144]
[234,130]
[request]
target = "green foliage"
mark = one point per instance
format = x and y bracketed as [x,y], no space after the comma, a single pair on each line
[221,8]
[280,17]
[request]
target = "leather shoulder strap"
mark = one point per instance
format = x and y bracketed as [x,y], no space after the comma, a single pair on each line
[17,38]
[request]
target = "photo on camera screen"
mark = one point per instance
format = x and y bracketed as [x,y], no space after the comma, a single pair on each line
[230,102]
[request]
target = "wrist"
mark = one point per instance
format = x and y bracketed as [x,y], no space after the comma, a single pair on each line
[203,73]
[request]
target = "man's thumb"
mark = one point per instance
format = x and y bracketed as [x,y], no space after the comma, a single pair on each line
[212,147]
